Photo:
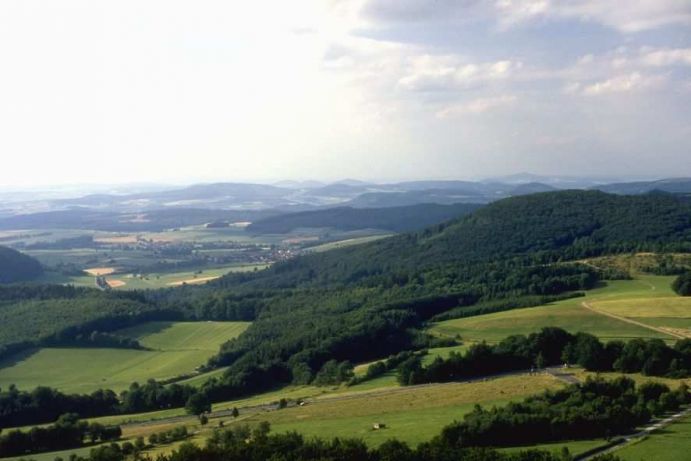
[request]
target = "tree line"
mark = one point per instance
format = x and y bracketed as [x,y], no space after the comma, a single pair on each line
[67,432]
[553,346]
[244,443]
[594,409]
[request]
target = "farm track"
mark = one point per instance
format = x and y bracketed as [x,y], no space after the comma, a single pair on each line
[633,322]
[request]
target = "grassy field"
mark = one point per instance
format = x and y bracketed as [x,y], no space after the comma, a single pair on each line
[411,414]
[669,444]
[651,292]
[177,348]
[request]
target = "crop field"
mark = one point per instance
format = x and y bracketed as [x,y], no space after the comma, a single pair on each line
[177,348]
[671,443]
[651,293]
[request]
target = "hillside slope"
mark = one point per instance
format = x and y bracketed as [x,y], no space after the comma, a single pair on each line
[17,267]
[397,219]
[548,226]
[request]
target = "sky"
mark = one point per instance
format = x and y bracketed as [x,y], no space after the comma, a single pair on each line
[166,91]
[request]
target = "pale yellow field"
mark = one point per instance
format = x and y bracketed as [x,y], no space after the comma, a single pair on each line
[679,307]
[114,283]
[120,239]
[99,271]
[193,281]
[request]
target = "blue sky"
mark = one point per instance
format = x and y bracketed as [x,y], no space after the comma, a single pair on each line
[153,90]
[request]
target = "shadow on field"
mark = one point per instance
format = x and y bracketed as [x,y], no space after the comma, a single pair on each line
[18,357]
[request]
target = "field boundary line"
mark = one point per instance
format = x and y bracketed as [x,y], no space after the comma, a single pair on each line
[631,321]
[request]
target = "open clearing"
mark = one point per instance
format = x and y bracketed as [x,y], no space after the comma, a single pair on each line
[652,295]
[177,348]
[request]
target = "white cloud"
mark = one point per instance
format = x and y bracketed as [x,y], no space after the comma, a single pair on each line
[625,16]
[623,84]
[448,73]
[666,57]
[476,106]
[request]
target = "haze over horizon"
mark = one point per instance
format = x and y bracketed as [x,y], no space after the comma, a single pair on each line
[379,90]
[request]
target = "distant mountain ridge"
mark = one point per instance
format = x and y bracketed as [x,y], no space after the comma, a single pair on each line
[291,196]
[670,185]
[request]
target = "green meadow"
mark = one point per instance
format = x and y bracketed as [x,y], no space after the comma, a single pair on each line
[647,294]
[176,348]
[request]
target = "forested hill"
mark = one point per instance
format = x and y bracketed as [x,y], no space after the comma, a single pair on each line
[396,219]
[365,301]
[549,226]
[17,267]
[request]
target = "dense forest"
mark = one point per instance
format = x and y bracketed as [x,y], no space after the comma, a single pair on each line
[17,267]
[396,219]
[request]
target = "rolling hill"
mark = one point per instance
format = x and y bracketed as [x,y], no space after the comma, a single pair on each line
[360,302]
[397,219]
[17,267]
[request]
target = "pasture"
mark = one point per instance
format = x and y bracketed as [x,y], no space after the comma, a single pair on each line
[652,293]
[176,348]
